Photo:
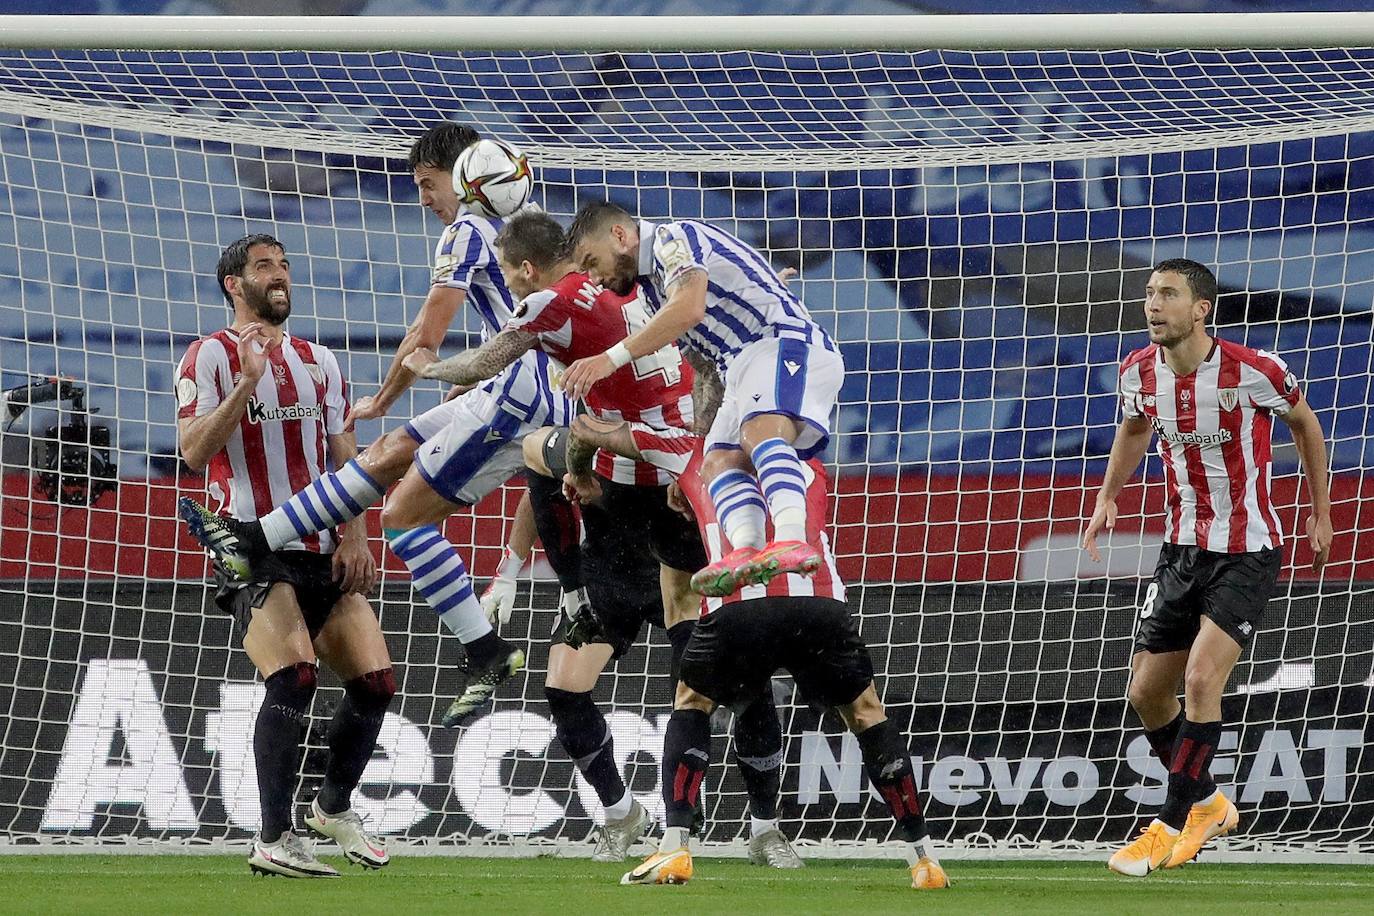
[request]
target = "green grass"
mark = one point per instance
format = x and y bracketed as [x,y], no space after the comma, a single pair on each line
[138,885]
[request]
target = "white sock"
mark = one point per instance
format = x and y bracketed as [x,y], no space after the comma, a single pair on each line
[674,838]
[620,810]
[784,487]
[334,498]
[739,507]
[758,826]
[919,850]
[441,578]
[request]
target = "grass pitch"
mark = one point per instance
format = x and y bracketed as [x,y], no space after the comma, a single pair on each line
[222,884]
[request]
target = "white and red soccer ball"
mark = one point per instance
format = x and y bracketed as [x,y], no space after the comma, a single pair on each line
[493,179]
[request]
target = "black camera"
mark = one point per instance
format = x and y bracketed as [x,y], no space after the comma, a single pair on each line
[74,464]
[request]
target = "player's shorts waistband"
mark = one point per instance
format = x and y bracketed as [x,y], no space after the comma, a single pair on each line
[812,334]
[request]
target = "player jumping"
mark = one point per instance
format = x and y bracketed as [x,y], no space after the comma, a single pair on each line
[1210,401]
[782,375]
[468,445]
[262,409]
[637,549]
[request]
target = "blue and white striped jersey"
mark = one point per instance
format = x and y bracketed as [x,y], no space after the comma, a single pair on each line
[465,259]
[745,299]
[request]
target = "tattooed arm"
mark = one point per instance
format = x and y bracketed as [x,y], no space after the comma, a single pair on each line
[707,391]
[472,366]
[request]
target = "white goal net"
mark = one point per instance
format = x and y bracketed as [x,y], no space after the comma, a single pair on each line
[975,227]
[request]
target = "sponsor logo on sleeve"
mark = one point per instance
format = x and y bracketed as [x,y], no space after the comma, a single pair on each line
[672,255]
[187,389]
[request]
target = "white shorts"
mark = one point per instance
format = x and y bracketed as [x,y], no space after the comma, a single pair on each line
[780,375]
[469,446]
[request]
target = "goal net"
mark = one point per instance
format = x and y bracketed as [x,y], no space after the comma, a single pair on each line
[974,227]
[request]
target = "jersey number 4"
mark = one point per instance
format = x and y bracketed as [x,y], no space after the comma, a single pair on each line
[665,361]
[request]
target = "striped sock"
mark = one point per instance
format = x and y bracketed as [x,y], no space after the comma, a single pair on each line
[439,575]
[739,507]
[784,486]
[332,499]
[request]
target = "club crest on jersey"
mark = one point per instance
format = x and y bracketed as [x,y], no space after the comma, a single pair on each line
[1228,398]
[316,373]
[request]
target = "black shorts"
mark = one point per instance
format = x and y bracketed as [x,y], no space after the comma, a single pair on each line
[1230,589]
[630,532]
[734,651]
[310,574]
[641,516]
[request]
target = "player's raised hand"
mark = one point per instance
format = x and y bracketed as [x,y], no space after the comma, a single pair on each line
[1104,517]
[420,359]
[368,408]
[253,350]
[1319,536]
[585,373]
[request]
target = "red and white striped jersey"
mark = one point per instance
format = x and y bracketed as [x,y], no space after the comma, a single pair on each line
[1214,429]
[279,446]
[574,319]
[824,583]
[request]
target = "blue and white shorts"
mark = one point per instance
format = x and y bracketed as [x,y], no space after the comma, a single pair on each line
[469,446]
[780,375]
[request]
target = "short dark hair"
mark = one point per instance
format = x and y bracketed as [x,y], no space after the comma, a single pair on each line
[595,216]
[532,236]
[234,258]
[1201,281]
[440,146]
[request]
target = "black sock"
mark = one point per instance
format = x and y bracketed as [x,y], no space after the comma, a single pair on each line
[277,744]
[678,636]
[888,762]
[686,755]
[353,736]
[758,751]
[581,729]
[484,648]
[1190,779]
[559,532]
[1162,740]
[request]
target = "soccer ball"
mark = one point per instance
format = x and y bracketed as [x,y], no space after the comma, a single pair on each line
[492,178]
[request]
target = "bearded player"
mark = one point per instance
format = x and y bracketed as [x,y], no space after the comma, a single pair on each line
[448,457]
[781,372]
[636,439]
[1211,403]
[262,409]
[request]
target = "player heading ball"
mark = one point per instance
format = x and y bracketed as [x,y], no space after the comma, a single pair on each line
[782,375]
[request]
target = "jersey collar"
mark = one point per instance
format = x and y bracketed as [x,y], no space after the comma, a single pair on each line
[646,248]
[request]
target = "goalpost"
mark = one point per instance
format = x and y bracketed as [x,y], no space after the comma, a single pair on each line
[973,205]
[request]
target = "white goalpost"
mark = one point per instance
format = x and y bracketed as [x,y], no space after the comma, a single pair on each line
[973,204]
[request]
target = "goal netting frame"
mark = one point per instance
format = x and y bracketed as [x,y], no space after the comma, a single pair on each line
[967,221]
